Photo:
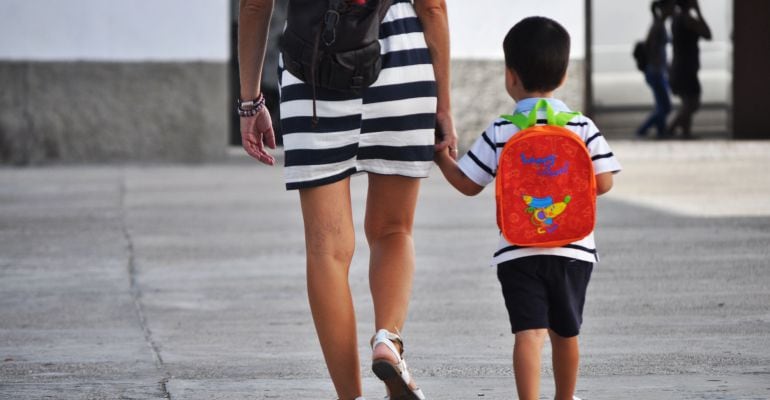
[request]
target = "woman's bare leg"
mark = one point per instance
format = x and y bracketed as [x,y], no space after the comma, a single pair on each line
[390,205]
[330,243]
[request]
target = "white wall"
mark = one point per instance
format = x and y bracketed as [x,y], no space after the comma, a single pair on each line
[477,27]
[111,30]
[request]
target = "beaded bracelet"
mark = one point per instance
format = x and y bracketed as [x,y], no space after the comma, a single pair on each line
[250,108]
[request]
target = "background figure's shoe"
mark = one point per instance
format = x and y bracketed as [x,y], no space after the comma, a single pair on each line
[390,367]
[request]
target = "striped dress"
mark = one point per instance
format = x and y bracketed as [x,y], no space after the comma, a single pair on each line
[388,129]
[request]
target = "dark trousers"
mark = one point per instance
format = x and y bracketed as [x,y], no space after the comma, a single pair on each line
[659,85]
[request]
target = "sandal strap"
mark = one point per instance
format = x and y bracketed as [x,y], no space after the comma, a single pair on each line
[383,336]
[387,338]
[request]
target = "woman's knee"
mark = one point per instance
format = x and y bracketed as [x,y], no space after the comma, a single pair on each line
[328,220]
[378,227]
[330,241]
[390,206]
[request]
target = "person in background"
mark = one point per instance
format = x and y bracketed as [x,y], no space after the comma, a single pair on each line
[687,27]
[655,72]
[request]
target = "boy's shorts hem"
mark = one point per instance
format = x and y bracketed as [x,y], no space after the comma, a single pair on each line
[545,292]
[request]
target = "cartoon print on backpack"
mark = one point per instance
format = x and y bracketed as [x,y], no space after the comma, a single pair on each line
[544,210]
[539,165]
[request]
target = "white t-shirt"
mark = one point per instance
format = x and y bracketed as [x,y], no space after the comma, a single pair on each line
[480,165]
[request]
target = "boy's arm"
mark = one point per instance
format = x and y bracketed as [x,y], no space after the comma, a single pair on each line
[604,160]
[454,175]
[603,183]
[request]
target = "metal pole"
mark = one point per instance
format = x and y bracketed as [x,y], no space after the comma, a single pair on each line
[588,99]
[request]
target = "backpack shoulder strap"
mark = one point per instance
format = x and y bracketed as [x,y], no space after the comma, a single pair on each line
[520,120]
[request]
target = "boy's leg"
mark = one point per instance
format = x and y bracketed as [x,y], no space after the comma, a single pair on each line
[568,292]
[526,300]
[566,357]
[526,362]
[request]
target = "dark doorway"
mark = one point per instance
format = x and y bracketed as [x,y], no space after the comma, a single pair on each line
[751,62]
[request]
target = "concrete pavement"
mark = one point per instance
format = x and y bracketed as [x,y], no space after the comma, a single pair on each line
[187,282]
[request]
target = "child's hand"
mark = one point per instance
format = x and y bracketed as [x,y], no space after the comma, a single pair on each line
[446,137]
[441,155]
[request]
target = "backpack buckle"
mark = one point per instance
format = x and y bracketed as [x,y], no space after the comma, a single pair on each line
[331,18]
[357,82]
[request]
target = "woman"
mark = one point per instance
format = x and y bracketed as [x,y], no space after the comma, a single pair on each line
[686,30]
[655,71]
[387,132]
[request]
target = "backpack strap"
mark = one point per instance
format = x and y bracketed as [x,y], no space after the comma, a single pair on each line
[553,118]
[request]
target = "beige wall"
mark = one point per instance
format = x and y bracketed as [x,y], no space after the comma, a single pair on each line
[112,112]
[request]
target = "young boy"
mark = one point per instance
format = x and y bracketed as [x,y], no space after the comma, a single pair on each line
[544,288]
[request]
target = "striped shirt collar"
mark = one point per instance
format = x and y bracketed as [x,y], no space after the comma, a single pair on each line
[526,105]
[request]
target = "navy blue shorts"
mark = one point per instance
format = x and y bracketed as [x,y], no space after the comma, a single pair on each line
[545,292]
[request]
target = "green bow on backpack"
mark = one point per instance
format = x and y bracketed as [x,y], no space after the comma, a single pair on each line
[553,118]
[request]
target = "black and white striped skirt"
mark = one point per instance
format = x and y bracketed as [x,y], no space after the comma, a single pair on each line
[386,130]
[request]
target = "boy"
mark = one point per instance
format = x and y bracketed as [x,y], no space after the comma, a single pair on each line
[544,288]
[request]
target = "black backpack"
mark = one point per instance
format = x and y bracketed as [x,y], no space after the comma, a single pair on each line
[334,44]
[640,55]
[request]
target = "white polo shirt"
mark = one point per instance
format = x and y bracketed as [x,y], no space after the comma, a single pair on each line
[480,165]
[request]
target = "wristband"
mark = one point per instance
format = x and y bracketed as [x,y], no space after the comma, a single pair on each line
[250,108]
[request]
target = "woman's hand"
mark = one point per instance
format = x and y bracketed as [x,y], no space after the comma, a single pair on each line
[435,23]
[446,136]
[256,133]
[253,27]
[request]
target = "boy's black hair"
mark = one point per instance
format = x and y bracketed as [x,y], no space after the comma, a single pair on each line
[537,48]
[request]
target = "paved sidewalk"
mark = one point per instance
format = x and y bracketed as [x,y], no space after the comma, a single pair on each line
[187,282]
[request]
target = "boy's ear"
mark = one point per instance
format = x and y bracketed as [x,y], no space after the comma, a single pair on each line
[511,82]
[511,77]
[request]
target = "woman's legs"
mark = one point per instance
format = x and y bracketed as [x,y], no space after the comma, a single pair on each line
[330,242]
[390,205]
[690,104]
[683,119]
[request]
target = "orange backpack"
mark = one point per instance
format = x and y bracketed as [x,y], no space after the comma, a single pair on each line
[545,187]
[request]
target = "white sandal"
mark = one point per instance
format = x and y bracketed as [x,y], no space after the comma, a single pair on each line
[396,376]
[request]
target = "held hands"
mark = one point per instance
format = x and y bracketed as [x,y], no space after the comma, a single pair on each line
[446,136]
[256,133]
